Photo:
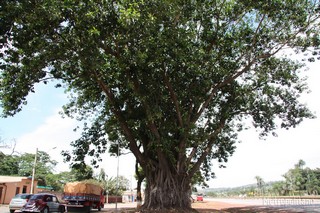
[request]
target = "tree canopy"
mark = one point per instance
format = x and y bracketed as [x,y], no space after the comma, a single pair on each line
[22,165]
[173,81]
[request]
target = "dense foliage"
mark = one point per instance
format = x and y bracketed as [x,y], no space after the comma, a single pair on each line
[22,165]
[300,180]
[8,165]
[173,81]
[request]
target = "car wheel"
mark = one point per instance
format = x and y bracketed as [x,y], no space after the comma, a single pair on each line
[12,211]
[62,209]
[45,210]
[88,209]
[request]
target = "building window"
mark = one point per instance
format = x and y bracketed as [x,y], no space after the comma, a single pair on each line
[24,189]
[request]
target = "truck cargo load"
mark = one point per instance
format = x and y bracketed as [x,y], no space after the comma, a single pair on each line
[83,195]
[82,187]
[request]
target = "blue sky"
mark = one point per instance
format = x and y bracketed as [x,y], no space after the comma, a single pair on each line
[39,125]
[40,104]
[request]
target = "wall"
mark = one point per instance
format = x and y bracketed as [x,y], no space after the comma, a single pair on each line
[9,189]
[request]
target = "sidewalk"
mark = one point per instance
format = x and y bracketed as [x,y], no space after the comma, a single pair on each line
[120,207]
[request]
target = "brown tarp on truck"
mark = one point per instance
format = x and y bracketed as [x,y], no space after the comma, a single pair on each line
[81,187]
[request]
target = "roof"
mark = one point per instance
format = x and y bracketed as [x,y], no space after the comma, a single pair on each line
[11,179]
[45,187]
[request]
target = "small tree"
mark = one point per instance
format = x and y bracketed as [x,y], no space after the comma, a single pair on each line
[280,188]
[260,185]
[296,178]
[313,181]
[116,186]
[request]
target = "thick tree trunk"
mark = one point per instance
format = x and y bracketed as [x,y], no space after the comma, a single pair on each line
[167,192]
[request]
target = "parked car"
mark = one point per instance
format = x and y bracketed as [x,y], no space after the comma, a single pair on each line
[44,203]
[200,198]
[193,198]
[18,201]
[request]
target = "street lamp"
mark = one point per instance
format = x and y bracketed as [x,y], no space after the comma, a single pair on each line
[34,169]
[117,190]
[107,190]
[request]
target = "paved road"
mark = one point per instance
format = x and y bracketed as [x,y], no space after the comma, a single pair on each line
[294,205]
[5,208]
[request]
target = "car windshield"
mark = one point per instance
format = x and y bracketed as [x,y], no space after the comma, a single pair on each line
[22,196]
[36,197]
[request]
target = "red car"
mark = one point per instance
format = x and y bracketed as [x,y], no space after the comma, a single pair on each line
[199,198]
[44,203]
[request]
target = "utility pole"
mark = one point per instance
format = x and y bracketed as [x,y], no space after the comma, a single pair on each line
[34,169]
[33,172]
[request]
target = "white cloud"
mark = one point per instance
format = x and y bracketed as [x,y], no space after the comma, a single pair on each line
[272,158]
[58,132]
[54,132]
[126,166]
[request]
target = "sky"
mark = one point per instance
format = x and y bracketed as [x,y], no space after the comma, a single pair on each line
[39,125]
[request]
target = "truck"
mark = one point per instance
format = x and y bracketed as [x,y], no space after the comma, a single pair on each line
[83,196]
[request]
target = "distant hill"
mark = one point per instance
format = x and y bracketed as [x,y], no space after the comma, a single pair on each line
[234,189]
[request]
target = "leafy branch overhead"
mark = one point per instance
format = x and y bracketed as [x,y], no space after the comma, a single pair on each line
[172,81]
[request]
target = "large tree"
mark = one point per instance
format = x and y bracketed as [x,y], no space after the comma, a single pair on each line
[44,166]
[172,81]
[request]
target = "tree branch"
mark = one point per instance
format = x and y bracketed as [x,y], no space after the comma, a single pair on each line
[216,87]
[208,148]
[151,125]
[254,41]
[173,98]
[127,131]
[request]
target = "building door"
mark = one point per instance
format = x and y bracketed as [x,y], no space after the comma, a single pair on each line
[17,190]
[1,189]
